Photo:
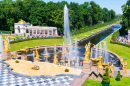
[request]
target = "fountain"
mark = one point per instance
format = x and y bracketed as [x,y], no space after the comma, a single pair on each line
[46,55]
[45,52]
[100,47]
[67,36]
[105,52]
[55,49]
[1,47]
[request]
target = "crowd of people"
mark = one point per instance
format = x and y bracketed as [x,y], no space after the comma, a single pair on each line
[34,36]
[122,39]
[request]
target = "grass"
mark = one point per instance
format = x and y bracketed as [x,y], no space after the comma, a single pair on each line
[113,82]
[33,43]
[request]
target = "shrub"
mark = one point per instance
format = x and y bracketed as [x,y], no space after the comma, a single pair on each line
[113,42]
[105,77]
[16,61]
[118,75]
[24,35]
[66,70]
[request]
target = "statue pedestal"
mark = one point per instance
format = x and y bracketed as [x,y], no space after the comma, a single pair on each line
[100,70]
[87,66]
[112,74]
[23,57]
[36,60]
[7,55]
[124,75]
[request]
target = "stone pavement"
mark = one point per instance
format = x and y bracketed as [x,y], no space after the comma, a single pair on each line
[79,81]
[7,79]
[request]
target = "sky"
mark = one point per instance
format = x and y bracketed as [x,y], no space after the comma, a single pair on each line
[110,4]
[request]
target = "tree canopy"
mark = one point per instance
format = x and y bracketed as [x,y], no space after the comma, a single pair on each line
[38,12]
[126,16]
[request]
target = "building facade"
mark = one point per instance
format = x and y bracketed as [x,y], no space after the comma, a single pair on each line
[22,27]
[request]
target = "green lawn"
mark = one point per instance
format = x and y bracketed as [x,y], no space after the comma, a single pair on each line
[113,82]
[33,43]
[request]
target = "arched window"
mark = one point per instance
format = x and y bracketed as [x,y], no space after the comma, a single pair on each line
[18,29]
[27,31]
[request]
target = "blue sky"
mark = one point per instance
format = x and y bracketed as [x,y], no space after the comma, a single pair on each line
[110,4]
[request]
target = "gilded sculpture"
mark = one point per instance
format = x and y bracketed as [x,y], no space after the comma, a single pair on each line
[100,61]
[6,45]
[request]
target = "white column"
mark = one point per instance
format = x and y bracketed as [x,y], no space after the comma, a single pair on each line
[29,31]
[40,32]
[44,32]
[52,32]
[48,32]
[56,32]
[32,31]
[36,31]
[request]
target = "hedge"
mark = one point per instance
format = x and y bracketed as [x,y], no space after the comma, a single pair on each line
[5,32]
[115,35]
[113,42]
[22,40]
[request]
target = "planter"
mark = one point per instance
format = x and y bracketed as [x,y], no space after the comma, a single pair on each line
[117,79]
[105,84]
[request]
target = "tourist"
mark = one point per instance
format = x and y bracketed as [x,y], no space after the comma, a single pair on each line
[82,62]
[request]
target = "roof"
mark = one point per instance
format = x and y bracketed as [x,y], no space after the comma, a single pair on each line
[21,21]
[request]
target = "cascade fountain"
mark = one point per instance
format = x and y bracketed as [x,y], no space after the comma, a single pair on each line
[67,36]
[96,52]
[45,52]
[100,47]
[55,49]
[105,52]
[1,47]
[91,53]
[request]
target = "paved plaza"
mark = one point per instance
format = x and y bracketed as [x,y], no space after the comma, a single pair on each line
[7,79]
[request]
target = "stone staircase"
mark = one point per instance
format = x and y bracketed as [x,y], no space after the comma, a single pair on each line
[79,81]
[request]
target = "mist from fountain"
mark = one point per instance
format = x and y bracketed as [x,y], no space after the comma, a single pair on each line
[100,47]
[91,53]
[96,52]
[1,47]
[67,36]
[45,52]
[105,52]
[33,55]
[55,49]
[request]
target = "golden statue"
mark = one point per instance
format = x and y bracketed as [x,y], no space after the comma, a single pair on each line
[68,62]
[94,46]
[89,44]
[55,59]
[100,61]
[87,52]
[15,55]
[121,59]
[36,52]
[112,68]
[65,50]
[108,64]
[125,68]
[6,45]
